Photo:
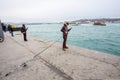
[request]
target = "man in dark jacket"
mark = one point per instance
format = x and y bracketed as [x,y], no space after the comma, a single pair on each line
[23,31]
[65,31]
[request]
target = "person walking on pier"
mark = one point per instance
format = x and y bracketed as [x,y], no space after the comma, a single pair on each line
[23,31]
[11,31]
[65,31]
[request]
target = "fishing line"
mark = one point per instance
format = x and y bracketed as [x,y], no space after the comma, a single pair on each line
[48,47]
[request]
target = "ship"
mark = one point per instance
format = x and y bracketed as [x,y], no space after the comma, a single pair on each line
[99,23]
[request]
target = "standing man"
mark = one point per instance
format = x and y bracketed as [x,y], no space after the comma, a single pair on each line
[11,31]
[23,31]
[65,31]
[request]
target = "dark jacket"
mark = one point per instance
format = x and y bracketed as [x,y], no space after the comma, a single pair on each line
[65,30]
[11,29]
[23,29]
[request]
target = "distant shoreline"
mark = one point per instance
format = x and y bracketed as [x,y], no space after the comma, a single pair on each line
[107,20]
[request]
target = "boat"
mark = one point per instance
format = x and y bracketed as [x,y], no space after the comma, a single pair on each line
[15,27]
[99,23]
[75,24]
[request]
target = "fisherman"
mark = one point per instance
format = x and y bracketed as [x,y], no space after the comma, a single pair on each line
[65,31]
[23,31]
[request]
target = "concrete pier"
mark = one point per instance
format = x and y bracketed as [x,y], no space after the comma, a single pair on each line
[39,59]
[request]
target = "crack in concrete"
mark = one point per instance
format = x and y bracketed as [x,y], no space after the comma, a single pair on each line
[56,69]
[48,64]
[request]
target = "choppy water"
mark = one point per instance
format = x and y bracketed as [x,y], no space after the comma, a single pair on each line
[101,38]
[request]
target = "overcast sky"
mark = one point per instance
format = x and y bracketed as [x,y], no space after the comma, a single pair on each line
[57,10]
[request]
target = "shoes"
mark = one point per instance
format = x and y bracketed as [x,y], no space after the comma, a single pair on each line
[66,47]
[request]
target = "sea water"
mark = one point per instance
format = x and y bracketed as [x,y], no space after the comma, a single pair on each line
[101,38]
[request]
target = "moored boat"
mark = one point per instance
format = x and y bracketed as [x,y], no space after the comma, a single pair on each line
[99,23]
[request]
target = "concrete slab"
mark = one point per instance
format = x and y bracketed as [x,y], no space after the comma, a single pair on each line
[46,60]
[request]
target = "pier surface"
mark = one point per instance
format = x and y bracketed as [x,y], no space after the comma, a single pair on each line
[39,59]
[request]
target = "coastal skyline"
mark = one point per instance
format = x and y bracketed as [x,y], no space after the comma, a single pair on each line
[57,10]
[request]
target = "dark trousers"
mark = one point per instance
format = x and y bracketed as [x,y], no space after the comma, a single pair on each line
[64,40]
[12,33]
[24,35]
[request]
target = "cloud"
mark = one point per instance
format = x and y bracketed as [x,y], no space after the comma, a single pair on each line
[57,10]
